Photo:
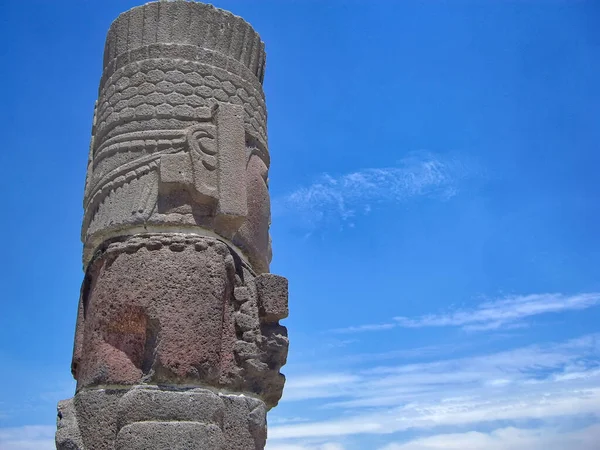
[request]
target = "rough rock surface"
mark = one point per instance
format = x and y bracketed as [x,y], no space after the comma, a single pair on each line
[162,308]
[178,343]
[149,417]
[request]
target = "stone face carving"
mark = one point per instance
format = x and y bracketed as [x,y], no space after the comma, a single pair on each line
[178,342]
[179,133]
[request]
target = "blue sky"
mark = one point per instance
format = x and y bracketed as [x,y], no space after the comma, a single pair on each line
[435,207]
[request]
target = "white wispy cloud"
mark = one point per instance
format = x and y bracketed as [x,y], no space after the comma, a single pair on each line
[499,313]
[507,312]
[427,352]
[29,437]
[523,384]
[348,195]
[308,446]
[367,327]
[543,438]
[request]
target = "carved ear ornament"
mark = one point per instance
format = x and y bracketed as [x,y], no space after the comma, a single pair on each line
[201,142]
[193,135]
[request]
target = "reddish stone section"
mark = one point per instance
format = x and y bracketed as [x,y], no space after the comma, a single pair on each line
[183,309]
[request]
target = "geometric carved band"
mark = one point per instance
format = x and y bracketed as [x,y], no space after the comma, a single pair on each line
[155,88]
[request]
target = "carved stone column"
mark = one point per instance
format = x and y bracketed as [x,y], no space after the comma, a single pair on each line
[178,343]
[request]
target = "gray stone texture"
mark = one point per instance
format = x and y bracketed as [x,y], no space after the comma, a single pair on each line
[96,417]
[170,436]
[244,418]
[178,343]
[150,403]
[68,436]
[151,417]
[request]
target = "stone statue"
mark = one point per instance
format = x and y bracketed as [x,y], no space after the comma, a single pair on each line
[178,343]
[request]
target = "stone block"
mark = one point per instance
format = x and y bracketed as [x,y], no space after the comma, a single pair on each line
[150,403]
[68,436]
[176,169]
[96,411]
[170,436]
[245,423]
[272,297]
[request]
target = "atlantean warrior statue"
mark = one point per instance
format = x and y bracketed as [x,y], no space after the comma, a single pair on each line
[178,343]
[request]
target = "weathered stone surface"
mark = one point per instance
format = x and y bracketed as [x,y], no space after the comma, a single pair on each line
[97,418]
[170,436]
[68,436]
[178,343]
[246,419]
[138,417]
[156,315]
[149,403]
[161,309]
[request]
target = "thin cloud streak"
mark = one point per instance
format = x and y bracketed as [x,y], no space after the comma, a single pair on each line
[506,313]
[368,327]
[543,438]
